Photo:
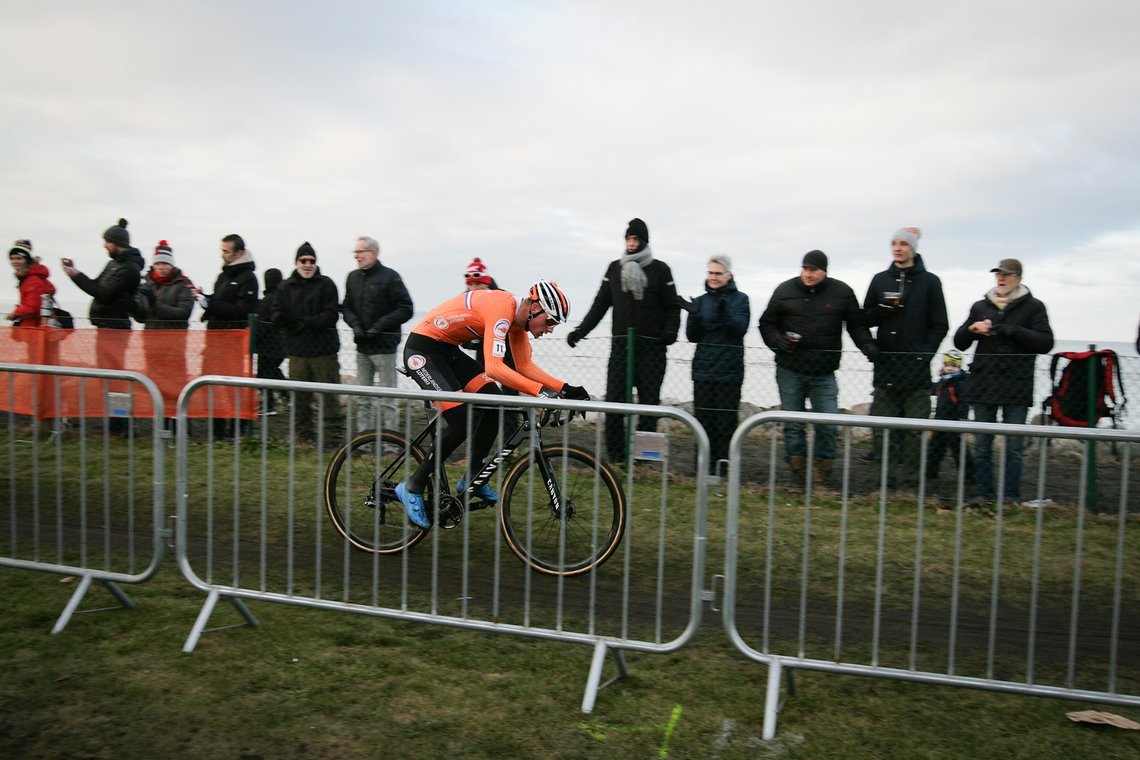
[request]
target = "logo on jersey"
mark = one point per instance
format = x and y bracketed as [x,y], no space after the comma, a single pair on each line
[415,362]
[501,328]
[499,349]
[441,323]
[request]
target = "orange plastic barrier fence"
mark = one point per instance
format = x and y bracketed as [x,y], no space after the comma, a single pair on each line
[170,358]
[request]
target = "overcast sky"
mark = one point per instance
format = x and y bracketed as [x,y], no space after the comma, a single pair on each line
[529,133]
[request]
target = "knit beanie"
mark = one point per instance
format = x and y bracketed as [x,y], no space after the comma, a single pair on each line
[909,235]
[477,272]
[305,250]
[272,279]
[816,260]
[118,234]
[163,253]
[639,228]
[22,248]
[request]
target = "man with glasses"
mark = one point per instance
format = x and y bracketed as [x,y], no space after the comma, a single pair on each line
[435,362]
[307,311]
[375,304]
[1010,326]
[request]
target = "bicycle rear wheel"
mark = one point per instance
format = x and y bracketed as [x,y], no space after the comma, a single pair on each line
[360,483]
[575,535]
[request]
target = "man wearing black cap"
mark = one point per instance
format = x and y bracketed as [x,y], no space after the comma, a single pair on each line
[1009,326]
[641,291]
[804,325]
[906,306]
[307,309]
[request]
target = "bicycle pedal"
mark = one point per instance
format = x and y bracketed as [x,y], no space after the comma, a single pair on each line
[475,506]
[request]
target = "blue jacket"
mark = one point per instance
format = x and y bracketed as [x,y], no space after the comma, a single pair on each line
[718,327]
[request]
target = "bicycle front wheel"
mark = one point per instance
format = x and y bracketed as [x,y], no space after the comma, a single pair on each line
[570,533]
[360,484]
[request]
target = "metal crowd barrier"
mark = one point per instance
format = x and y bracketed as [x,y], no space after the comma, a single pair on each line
[254,524]
[873,582]
[82,498]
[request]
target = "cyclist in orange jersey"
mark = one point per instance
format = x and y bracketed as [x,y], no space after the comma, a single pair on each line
[434,361]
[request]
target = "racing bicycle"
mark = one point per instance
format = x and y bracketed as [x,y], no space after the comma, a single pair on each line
[561,510]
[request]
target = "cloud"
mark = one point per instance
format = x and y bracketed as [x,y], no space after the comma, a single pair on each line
[528,134]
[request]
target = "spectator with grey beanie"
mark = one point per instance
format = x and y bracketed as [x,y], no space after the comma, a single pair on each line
[906,306]
[641,291]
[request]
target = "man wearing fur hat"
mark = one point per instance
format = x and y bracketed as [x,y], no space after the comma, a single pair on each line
[34,284]
[906,305]
[641,291]
[1010,326]
[376,304]
[307,310]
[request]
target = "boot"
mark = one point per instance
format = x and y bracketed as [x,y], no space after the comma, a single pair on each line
[798,466]
[821,472]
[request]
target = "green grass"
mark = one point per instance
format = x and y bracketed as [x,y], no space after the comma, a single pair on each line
[322,684]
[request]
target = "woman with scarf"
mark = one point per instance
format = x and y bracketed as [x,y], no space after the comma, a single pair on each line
[641,291]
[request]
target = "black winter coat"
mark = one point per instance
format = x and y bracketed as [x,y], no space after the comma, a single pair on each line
[1003,367]
[818,314]
[234,298]
[113,291]
[268,340]
[307,310]
[168,306]
[718,327]
[657,316]
[908,337]
[376,303]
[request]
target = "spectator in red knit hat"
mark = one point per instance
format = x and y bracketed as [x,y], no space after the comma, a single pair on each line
[477,278]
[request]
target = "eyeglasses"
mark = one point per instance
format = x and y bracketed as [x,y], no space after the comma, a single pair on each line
[306,260]
[716,274]
[362,250]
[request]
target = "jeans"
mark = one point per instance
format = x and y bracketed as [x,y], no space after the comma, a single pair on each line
[367,367]
[823,392]
[984,450]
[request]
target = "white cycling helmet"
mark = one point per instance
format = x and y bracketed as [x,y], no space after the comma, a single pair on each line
[552,300]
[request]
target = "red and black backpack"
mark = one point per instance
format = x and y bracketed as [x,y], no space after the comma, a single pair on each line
[1068,403]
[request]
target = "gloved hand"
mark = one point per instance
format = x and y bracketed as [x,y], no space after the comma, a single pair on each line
[782,343]
[573,338]
[548,393]
[669,340]
[575,393]
[687,304]
[359,334]
[871,351]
